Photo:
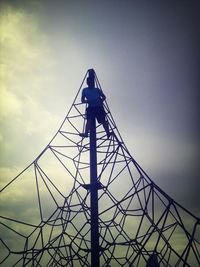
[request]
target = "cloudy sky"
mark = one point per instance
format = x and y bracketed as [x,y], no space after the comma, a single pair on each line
[146,56]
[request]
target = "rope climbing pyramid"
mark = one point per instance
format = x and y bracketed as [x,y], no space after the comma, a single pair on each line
[46,216]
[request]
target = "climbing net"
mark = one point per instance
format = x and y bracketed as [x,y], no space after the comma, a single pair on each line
[45,210]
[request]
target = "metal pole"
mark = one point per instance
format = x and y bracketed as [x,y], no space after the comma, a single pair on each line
[94,197]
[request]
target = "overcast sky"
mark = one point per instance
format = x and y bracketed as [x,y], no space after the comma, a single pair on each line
[146,56]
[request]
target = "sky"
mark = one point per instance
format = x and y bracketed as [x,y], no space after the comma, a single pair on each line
[145,54]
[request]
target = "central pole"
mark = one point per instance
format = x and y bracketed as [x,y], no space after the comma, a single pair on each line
[94,197]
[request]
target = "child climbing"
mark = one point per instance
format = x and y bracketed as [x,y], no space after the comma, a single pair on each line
[94,97]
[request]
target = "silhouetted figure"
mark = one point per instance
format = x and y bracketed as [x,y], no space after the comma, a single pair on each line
[94,97]
[152,261]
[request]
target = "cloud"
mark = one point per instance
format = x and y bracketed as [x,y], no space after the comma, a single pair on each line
[25,72]
[24,53]
[10,104]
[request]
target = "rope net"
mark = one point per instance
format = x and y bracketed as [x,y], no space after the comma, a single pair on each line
[45,210]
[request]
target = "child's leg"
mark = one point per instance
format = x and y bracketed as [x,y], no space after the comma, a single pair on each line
[87,126]
[106,128]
